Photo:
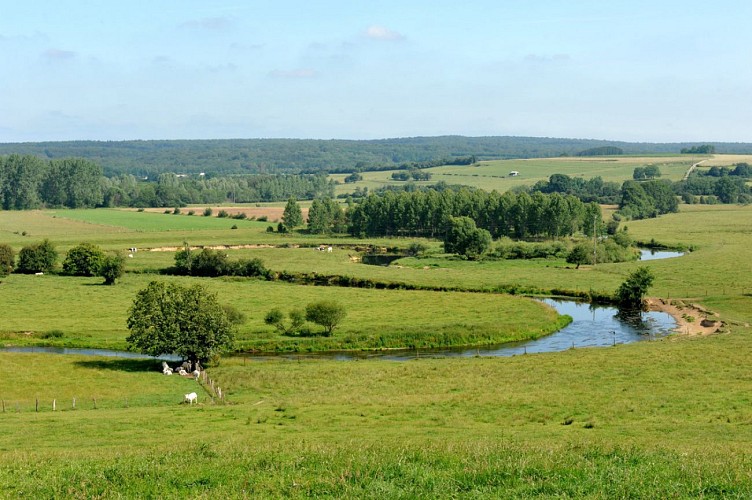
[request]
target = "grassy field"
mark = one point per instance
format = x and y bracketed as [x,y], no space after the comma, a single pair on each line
[37,305]
[490,175]
[669,418]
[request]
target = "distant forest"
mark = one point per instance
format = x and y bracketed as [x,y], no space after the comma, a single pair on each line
[295,156]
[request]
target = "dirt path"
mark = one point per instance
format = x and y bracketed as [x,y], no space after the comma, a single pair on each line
[691,319]
[690,169]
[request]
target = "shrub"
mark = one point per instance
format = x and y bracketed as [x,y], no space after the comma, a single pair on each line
[632,291]
[112,268]
[326,313]
[191,212]
[276,318]
[233,314]
[7,259]
[269,229]
[83,260]
[176,211]
[263,218]
[416,248]
[208,212]
[223,214]
[239,216]
[38,258]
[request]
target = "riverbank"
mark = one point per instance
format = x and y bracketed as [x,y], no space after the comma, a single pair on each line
[691,319]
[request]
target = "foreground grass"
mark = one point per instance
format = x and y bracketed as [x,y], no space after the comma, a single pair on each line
[667,418]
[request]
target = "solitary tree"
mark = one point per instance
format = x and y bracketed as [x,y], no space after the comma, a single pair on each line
[631,293]
[580,254]
[327,313]
[169,318]
[292,217]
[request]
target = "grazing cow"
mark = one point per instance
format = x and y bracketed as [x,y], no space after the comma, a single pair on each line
[329,249]
[38,274]
[191,398]
[196,374]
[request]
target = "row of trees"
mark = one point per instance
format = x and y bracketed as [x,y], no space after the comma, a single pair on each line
[428,213]
[29,182]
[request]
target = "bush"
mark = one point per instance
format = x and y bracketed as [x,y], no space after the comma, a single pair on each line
[83,260]
[208,212]
[631,293]
[276,318]
[112,268]
[7,259]
[326,313]
[38,258]
[223,214]
[416,248]
[239,216]
[233,314]
[176,211]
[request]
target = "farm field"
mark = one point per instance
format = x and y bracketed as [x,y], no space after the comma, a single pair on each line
[494,174]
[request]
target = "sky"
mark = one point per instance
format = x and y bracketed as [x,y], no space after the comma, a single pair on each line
[643,71]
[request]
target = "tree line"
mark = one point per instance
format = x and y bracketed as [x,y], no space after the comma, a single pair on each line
[267,156]
[28,182]
[428,213]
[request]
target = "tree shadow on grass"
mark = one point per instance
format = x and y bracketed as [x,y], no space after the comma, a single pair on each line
[122,365]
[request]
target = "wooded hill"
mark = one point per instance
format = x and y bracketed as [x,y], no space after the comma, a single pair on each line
[233,156]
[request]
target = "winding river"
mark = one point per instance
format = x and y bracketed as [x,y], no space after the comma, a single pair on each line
[592,326]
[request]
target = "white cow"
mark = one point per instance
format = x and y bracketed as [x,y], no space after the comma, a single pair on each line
[190,398]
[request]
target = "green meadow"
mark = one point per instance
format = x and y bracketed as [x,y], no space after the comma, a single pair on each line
[669,418]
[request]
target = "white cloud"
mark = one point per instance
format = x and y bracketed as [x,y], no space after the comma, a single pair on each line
[216,24]
[52,55]
[294,73]
[376,32]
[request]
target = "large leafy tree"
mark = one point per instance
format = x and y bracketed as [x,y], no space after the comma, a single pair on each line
[168,318]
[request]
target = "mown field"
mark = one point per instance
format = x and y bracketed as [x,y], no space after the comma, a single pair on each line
[669,418]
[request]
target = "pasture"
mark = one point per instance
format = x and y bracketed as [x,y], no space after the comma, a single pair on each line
[666,418]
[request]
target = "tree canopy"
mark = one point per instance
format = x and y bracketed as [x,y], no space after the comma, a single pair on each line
[168,318]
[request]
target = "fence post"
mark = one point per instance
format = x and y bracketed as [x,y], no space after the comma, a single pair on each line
[3,406]
[74,403]
[36,405]
[54,404]
[95,402]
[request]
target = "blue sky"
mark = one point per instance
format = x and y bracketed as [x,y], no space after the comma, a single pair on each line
[623,70]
